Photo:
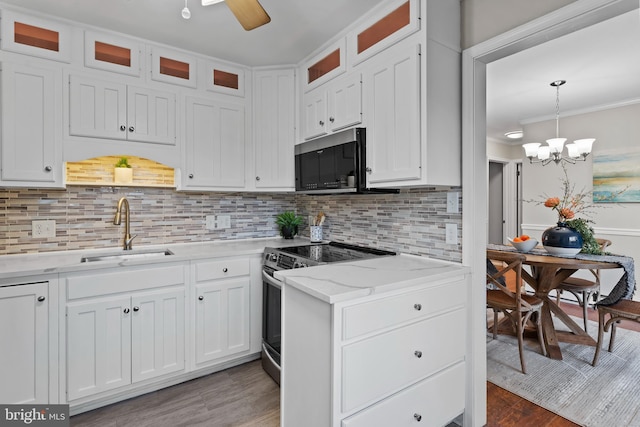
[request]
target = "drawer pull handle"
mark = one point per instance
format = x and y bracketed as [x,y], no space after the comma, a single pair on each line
[224,270]
[418,354]
[417,306]
[418,417]
[200,298]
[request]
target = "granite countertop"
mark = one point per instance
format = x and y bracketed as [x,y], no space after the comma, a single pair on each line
[15,266]
[339,282]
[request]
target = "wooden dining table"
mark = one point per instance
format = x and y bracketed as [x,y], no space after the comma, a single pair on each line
[547,272]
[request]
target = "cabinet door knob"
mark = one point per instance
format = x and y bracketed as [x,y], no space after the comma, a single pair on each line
[136,308]
[48,168]
[131,129]
[41,298]
[331,119]
[369,170]
[126,310]
[417,306]
[200,298]
[321,123]
[418,354]
[257,178]
[190,176]
[123,128]
[418,417]
[224,270]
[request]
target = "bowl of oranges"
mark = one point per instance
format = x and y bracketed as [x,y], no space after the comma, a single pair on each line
[523,243]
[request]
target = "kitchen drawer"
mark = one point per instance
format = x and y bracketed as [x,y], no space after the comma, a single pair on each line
[383,364]
[388,312]
[434,401]
[212,270]
[123,280]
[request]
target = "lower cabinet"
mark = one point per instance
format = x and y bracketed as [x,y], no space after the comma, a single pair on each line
[222,306]
[24,334]
[124,326]
[390,359]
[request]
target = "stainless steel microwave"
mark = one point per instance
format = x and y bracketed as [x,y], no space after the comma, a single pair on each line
[334,164]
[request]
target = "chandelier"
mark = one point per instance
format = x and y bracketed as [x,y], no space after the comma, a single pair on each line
[578,150]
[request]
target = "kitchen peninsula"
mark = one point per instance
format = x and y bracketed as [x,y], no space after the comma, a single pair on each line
[349,327]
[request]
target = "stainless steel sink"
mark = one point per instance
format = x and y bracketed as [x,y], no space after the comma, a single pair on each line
[125,255]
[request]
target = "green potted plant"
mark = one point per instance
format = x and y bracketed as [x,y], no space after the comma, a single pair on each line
[123,174]
[288,223]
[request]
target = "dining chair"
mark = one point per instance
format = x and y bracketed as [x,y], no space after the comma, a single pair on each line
[583,289]
[623,309]
[516,305]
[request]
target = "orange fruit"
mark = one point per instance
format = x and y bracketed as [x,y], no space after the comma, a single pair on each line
[524,237]
[517,239]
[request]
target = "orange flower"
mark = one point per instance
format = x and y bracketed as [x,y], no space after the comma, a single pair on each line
[566,213]
[552,202]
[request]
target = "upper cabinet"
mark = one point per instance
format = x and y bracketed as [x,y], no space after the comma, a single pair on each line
[31,146]
[34,36]
[321,68]
[173,67]
[407,54]
[274,129]
[223,78]
[333,106]
[396,21]
[214,152]
[112,53]
[112,110]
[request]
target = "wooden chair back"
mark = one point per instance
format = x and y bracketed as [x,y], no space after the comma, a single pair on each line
[507,262]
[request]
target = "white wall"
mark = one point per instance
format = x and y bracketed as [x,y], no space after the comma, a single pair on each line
[613,128]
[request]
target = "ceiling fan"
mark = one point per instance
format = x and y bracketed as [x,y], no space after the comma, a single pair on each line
[249,13]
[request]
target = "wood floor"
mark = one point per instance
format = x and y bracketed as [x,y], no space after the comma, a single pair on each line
[245,396]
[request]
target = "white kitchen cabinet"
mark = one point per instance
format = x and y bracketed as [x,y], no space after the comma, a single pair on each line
[214,154]
[222,309]
[31,147]
[393,358]
[333,106]
[274,129]
[110,110]
[24,334]
[124,326]
[392,97]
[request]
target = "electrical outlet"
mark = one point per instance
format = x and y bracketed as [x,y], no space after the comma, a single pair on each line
[43,228]
[223,221]
[210,222]
[451,234]
[452,202]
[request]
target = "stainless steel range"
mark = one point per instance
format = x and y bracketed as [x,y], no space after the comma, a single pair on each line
[275,259]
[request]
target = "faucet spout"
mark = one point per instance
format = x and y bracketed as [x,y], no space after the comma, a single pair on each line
[127,226]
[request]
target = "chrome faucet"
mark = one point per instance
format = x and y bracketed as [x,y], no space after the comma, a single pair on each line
[127,228]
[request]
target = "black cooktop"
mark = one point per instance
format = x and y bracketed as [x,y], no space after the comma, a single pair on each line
[334,252]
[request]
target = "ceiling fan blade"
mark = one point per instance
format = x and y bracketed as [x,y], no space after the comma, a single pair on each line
[249,13]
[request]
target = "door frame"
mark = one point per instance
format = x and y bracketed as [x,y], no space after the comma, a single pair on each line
[574,16]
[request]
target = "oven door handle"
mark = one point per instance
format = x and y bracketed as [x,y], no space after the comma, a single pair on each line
[271,280]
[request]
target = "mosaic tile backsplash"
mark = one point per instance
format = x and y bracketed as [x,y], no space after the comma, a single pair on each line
[412,221]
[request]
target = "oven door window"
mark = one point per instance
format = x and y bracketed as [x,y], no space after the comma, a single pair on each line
[271,327]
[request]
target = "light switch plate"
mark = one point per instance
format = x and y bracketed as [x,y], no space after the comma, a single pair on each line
[210,222]
[452,202]
[451,237]
[223,221]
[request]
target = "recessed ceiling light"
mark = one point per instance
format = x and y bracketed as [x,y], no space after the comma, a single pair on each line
[516,134]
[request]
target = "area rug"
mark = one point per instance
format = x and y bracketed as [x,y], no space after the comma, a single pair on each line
[605,395]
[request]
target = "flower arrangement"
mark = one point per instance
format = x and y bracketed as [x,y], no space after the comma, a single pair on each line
[570,205]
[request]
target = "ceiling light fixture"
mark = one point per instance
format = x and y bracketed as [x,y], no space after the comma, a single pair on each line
[210,2]
[515,134]
[579,150]
[186,13]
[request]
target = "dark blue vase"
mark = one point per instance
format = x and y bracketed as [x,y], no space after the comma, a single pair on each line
[562,240]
